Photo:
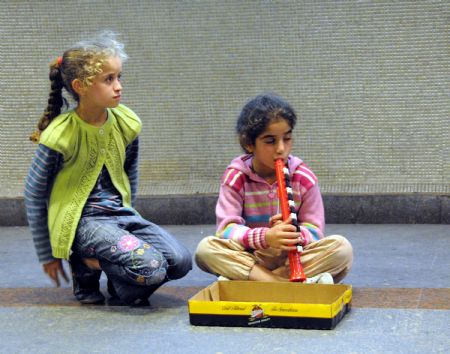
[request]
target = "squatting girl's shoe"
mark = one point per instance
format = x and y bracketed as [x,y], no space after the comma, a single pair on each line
[85,283]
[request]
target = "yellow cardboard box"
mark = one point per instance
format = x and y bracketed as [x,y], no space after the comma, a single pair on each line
[269,304]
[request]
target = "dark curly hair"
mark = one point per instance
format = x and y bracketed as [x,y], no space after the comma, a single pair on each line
[258,113]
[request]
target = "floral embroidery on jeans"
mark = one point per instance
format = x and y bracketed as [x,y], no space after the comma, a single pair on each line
[154,264]
[128,243]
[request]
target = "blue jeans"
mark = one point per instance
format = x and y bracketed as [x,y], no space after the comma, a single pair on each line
[136,255]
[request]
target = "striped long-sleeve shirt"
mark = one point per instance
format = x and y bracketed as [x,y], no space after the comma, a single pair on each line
[103,200]
[246,203]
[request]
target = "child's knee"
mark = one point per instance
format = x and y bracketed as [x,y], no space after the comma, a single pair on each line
[146,266]
[180,264]
[343,251]
[204,251]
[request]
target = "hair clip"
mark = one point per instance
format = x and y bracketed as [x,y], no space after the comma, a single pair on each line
[59,61]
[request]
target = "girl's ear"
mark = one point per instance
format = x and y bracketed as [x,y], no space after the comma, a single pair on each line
[249,148]
[78,87]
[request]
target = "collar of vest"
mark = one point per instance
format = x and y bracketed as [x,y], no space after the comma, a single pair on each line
[106,127]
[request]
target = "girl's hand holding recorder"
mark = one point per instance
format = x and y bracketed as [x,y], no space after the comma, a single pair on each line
[282,234]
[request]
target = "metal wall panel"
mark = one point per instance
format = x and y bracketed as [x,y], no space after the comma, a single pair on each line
[369,80]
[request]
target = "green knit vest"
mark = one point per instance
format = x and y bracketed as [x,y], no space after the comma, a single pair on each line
[85,149]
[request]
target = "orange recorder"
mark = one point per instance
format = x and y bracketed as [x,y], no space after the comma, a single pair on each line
[287,205]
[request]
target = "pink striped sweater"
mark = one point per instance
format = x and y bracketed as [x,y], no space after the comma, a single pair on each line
[247,201]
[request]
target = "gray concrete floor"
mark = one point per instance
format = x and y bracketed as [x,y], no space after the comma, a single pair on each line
[386,256]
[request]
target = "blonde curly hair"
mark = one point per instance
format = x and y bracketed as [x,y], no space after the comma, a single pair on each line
[83,61]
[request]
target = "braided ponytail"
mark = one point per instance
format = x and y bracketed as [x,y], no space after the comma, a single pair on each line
[55,101]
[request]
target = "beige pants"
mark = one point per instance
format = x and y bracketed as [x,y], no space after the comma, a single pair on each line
[332,254]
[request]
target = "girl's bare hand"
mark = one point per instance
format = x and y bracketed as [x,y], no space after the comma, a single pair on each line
[274,220]
[283,235]
[54,269]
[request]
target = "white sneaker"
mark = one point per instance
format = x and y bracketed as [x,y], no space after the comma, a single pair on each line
[322,278]
[222,278]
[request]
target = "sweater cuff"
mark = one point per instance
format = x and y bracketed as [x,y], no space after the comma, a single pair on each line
[308,235]
[46,258]
[256,238]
